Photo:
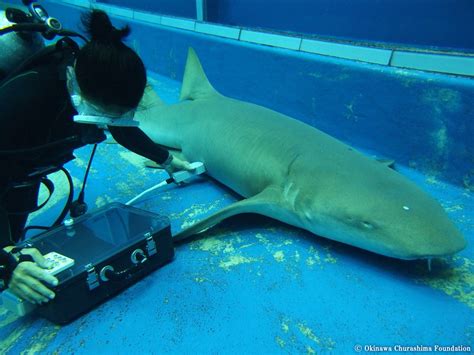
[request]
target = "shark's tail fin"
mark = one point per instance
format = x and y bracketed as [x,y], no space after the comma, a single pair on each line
[195,83]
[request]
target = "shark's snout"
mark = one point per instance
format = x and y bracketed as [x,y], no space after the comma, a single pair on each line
[408,227]
[440,245]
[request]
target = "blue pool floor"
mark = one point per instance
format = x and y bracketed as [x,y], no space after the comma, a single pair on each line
[252,284]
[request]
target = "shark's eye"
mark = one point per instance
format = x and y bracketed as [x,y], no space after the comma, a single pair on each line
[367,225]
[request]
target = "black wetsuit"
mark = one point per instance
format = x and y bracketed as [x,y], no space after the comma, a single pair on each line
[35,110]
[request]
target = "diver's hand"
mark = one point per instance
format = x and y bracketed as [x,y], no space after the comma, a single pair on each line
[28,277]
[177,164]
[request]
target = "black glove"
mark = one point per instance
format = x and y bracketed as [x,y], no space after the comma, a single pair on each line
[8,263]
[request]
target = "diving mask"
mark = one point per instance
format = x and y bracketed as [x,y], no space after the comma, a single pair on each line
[90,113]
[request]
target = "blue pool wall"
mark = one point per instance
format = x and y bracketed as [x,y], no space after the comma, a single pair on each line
[422,120]
[427,23]
[180,8]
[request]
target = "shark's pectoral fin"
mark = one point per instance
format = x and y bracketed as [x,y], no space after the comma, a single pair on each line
[256,204]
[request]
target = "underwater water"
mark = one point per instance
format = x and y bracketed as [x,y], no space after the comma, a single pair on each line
[254,285]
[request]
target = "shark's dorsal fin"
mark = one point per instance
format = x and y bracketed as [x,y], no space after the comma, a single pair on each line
[148,106]
[195,83]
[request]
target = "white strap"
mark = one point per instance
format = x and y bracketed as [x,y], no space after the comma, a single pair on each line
[97,120]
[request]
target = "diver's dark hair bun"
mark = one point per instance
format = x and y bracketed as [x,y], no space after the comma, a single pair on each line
[99,27]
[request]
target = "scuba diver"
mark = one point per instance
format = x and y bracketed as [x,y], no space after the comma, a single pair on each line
[55,101]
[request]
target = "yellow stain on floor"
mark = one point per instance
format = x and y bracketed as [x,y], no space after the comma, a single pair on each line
[261,238]
[280,341]
[247,245]
[454,208]
[325,343]
[236,260]
[166,196]
[80,163]
[195,213]
[456,281]
[330,259]
[125,189]
[231,250]
[103,200]
[313,258]
[279,256]
[228,249]
[11,340]
[432,180]
[232,247]
[7,318]
[308,333]
[41,340]
[291,337]
[296,256]
[133,159]
[214,245]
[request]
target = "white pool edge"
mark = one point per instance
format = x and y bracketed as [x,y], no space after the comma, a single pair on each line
[445,63]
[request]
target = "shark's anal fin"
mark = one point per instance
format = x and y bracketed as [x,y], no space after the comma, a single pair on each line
[255,204]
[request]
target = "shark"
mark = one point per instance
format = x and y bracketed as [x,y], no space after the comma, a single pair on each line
[290,171]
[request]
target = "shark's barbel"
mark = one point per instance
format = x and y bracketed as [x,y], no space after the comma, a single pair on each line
[297,174]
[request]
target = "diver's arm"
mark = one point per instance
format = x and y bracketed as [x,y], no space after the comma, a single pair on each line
[138,142]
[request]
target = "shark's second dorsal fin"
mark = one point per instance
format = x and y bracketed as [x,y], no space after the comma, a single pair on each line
[389,163]
[195,83]
[150,98]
